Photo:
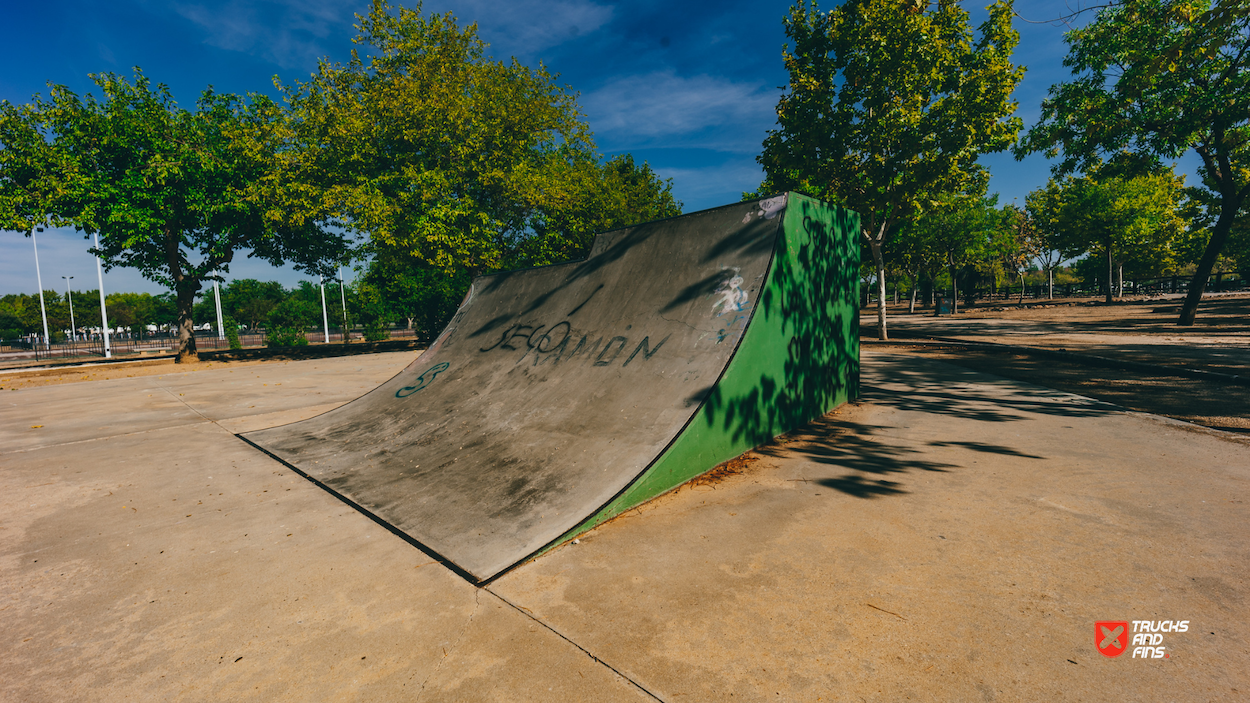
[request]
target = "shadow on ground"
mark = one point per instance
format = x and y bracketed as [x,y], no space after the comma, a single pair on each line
[876,460]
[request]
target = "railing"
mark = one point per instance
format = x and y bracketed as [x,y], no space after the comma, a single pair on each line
[1218,283]
[157,343]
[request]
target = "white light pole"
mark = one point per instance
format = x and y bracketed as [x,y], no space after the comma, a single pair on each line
[325,320]
[221,329]
[104,315]
[343,298]
[47,341]
[69,295]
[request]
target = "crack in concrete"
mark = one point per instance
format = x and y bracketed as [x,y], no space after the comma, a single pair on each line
[585,651]
[464,629]
[111,436]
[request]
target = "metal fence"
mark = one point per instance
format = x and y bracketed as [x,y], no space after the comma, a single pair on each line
[1218,283]
[159,343]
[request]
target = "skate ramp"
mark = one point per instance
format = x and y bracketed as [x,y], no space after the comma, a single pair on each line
[559,396]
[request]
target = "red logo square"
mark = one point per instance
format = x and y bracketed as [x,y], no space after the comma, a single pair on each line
[1111,637]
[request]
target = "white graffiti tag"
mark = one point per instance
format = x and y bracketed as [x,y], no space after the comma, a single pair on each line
[732,297]
[768,208]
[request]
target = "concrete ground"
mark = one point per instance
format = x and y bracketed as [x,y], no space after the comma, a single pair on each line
[1143,331]
[952,537]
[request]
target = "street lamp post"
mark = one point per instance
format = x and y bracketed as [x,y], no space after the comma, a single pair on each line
[69,295]
[347,335]
[325,320]
[104,314]
[43,310]
[221,329]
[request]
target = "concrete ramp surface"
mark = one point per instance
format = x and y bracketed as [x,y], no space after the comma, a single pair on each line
[559,396]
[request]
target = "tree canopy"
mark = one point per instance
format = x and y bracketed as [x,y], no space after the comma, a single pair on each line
[447,156]
[1131,221]
[1160,77]
[888,106]
[175,193]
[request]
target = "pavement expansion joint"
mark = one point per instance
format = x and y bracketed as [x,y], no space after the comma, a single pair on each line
[464,629]
[564,637]
[25,450]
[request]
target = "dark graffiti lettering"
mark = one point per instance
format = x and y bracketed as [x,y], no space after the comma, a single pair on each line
[534,340]
[425,379]
[600,361]
[516,332]
[555,353]
[581,344]
[587,300]
[568,330]
[647,351]
[555,343]
[502,339]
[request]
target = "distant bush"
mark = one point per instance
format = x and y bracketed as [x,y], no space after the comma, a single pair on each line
[375,332]
[293,313]
[285,337]
[10,334]
[232,334]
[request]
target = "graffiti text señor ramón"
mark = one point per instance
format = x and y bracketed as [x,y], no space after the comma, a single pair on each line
[556,344]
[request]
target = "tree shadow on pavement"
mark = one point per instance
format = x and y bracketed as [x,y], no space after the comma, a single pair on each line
[876,458]
[916,385]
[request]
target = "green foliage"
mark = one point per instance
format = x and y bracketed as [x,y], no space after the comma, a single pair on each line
[20,312]
[136,311]
[250,300]
[444,155]
[285,337]
[889,106]
[1159,77]
[375,332]
[1129,221]
[403,289]
[232,334]
[172,192]
[294,313]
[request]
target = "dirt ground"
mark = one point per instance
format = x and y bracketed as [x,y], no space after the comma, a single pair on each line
[1227,313]
[1213,404]
[1138,330]
[19,379]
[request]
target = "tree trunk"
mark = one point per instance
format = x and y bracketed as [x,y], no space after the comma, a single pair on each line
[186,323]
[1110,269]
[911,307]
[1021,289]
[954,290]
[878,260]
[1050,277]
[1197,284]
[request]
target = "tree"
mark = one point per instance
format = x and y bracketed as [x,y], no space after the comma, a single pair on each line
[172,192]
[250,300]
[444,155]
[1015,243]
[888,106]
[1120,219]
[1040,226]
[1160,77]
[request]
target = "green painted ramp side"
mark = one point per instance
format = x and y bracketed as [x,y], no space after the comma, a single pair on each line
[798,359]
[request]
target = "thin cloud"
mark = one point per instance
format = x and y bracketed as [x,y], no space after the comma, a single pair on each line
[285,32]
[664,109]
[524,27]
[712,186]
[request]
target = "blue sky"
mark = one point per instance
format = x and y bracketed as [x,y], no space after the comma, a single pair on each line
[688,87]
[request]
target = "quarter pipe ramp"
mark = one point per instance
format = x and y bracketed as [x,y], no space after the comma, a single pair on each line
[560,396]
